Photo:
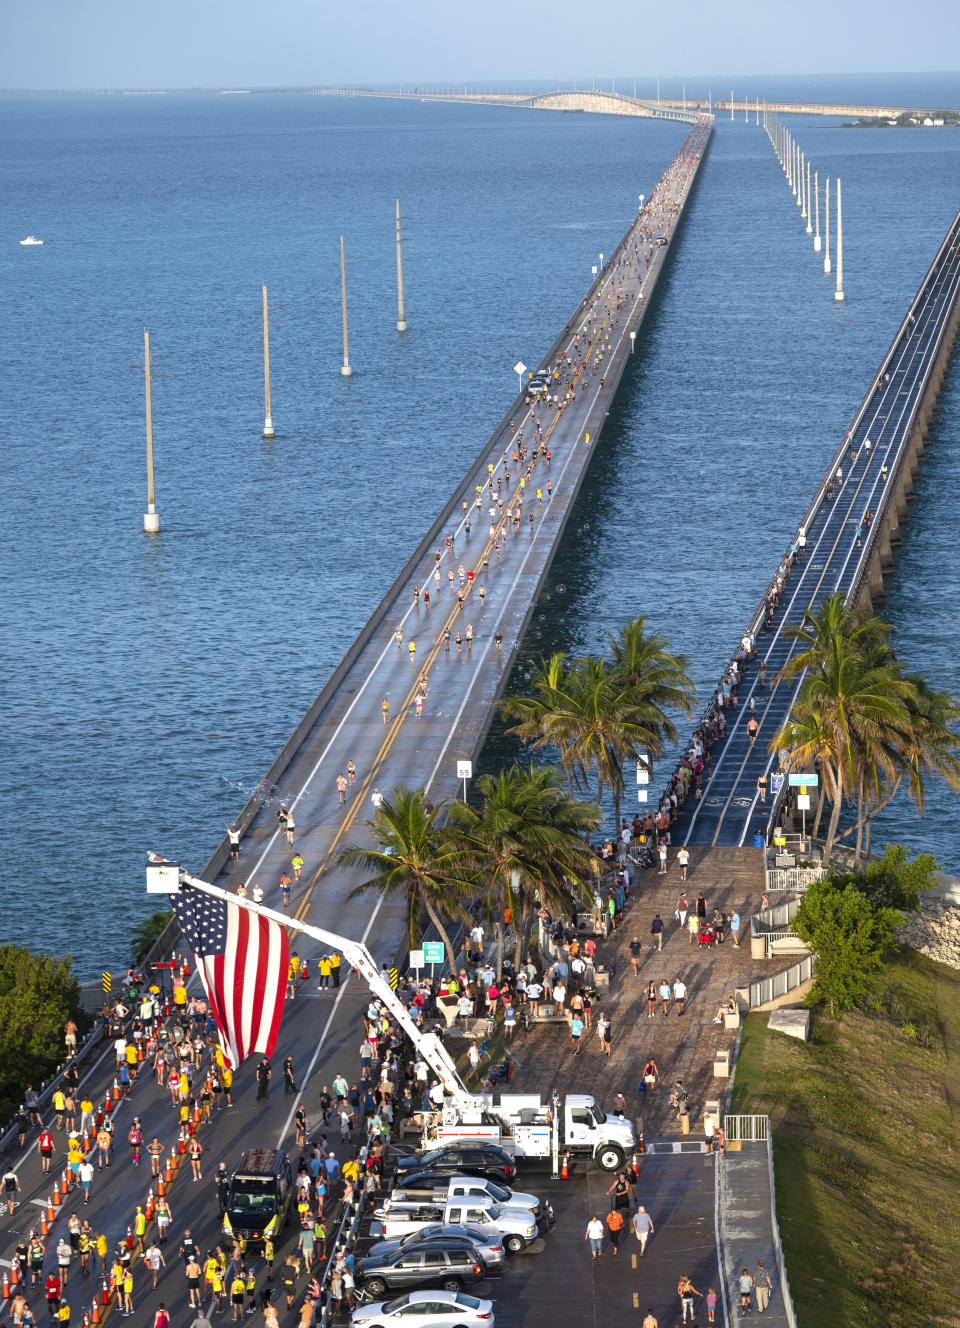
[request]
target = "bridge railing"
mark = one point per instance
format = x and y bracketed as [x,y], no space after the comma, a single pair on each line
[765,990]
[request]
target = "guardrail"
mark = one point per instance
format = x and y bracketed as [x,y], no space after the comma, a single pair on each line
[746,1129]
[793,878]
[765,990]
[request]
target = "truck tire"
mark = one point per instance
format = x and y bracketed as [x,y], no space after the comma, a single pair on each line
[513,1244]
[453,1284]
[609,1157]
[376,1287]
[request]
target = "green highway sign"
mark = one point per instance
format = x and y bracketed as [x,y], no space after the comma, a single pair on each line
[433,952]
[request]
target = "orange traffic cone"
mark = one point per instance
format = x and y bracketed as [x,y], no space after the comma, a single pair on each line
[86,1140]
[95,1313]
[148,1211]
[161,1187]
[140,1051]
[564,1168]
[108,1103]
[65,1176]
[44,1229]
[182,1142]
[129,1236]
[6,1285]
[104,1291]
[86,1319]
[14,1273]
[50,1212]
[56,1194]
[196,1112]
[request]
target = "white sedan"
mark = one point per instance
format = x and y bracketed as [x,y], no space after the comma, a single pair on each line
[427,1309]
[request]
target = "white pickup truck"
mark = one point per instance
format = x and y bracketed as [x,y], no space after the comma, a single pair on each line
[525,1127]
[516,1227]
[426,1187]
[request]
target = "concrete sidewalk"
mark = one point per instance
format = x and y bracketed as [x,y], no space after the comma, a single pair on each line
[748,1230]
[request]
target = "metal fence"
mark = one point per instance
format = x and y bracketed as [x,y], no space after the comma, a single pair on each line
[793,878]
[746,1129]
[765,990]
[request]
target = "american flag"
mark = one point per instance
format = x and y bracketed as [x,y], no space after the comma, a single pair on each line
[242,958]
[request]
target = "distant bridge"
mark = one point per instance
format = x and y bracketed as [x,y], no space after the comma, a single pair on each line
[593,102]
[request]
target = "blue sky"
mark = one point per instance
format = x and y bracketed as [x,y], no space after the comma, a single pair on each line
[253,43]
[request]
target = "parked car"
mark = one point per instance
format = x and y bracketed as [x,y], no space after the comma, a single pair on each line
[450,1265]
[426,1309]
[467,1158]
[488,1244]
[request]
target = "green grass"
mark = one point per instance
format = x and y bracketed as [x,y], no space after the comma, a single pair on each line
[866,1126]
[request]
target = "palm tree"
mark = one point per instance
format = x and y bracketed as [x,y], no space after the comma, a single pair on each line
[540,715]
[524,844]
[417,857]
[835,629]
[658,678]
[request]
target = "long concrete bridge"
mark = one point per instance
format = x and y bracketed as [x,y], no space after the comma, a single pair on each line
[595,101]
[887,436]
[368,714]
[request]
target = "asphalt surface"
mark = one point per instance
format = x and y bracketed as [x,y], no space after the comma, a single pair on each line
[731,811]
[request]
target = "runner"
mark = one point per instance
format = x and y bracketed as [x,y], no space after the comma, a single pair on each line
[341,788]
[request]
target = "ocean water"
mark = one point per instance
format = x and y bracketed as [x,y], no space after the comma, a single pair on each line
[148,682]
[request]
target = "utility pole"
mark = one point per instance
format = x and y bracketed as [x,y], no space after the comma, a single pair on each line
[826,222]
[268,422]
[839,292]
[345,369]
[151,518]
[816,203]
[401,312]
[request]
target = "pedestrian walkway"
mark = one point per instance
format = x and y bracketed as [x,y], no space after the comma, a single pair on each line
[747,1228]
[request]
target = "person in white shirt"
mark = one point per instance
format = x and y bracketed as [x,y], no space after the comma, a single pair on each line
[594,1234]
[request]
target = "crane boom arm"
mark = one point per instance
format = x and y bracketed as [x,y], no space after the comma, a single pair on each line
[428,1045]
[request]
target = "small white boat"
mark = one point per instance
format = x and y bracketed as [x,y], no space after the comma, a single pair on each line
[31,239]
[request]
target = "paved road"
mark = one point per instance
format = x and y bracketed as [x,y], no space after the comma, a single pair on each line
[731,811]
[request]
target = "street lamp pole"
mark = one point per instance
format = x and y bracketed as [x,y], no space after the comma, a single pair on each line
[151,518]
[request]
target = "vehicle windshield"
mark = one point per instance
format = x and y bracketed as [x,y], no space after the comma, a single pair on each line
[598,1115]
[469,1302]
[391,1305]
[492,1188]
[252,1198]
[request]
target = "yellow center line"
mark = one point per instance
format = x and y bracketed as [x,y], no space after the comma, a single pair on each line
[394,728]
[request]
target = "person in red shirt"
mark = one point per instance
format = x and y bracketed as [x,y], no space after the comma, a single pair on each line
[47,1148]
[51,1289]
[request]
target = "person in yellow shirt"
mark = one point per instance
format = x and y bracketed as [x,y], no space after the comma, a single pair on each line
[335,969]
[128,1291]
[325,971]
[351,1170]
[179,992]
[227,1084]
[102,1253]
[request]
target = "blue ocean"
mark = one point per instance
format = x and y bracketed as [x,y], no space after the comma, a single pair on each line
[148,682]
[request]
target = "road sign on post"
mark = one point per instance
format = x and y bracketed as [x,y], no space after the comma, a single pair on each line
[106,983]
[804,781]
[433,952]
[464,772]
[520,369]
[416,959]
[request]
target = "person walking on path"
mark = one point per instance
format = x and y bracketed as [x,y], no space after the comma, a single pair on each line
[286,882]
[651,1074]
[594,1234]
[662,854]
[735,928]
[341,788]
[376,797]
[603,1032]
[46,1148]
[680,995]
[745,1287]
[686,1291]
[642,1227]
[650,1320]
[11,1188]
[665,994]
[651,999]
[711,1305]
[683,860]
[656,931]
[263,1078]
[615,1227]
[682,910]
[709,1131]
[762,1286]
[636,953]
[296,862]
[234,837]
[620,1190]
